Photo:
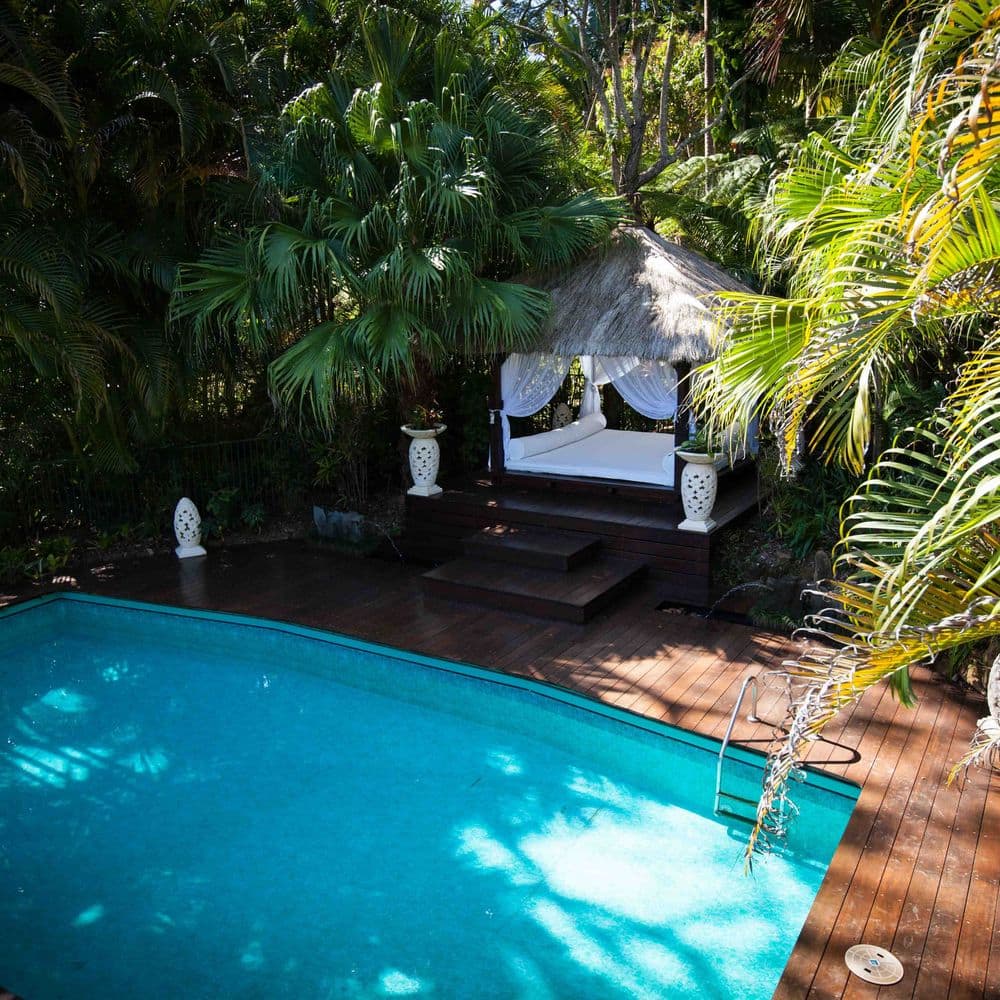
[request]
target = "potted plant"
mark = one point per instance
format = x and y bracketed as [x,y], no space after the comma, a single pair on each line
[699,482]
[423,426]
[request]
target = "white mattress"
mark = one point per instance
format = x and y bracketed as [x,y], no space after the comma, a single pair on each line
[633,456]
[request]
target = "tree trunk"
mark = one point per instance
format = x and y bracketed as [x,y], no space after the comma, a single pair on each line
[709,76]
[810,106]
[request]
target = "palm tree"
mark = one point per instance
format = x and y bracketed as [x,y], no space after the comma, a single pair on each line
[124,123]
[409,186]
[888,231]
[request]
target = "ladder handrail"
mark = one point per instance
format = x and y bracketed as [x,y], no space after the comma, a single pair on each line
[752,683]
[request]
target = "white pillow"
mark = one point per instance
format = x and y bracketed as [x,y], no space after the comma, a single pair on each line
[537,444]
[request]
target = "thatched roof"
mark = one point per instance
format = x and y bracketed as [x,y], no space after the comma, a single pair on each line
[641,297]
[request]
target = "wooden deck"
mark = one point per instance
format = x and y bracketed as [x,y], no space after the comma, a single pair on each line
[680,561]
[917,870]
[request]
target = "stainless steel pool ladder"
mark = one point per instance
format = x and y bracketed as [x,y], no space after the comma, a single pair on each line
[720,795]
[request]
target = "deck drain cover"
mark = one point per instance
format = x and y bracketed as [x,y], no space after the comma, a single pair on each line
[874,965]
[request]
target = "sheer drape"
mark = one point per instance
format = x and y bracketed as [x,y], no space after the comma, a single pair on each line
[527,383]
[591,401]
[649,387]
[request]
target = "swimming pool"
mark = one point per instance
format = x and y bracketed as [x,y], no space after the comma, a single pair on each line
[203,805]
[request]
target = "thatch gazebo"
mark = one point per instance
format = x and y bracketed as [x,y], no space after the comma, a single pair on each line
[638,314]
[642,296]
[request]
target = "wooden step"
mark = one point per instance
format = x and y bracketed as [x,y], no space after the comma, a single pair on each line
[511,543]
[574,597]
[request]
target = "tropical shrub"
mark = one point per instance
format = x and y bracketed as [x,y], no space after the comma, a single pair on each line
[409,183]
[888,230]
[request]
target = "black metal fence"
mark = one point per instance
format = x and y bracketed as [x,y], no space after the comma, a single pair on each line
[233,481]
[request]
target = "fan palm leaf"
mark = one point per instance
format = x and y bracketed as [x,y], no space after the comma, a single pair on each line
[405,197]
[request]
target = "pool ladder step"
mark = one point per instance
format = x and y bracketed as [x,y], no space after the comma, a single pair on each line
[725,801]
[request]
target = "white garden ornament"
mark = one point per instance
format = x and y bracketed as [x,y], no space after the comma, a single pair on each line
[187,528]
[425,459]
[699,486]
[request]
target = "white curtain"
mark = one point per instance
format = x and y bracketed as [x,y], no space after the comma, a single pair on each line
[527,383]
[649,387]
[591,401]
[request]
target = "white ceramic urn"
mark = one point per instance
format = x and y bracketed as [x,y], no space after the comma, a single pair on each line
[699,486]
[425,459]
[187,528]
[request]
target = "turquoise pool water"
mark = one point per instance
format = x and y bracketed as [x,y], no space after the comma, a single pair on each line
[202,806]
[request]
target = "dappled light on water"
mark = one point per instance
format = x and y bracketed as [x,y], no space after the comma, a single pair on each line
[634,890]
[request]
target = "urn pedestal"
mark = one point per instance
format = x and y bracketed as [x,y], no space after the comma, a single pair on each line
[699,487]
[425,459]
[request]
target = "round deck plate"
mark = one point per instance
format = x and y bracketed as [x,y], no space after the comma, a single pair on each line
[873,964]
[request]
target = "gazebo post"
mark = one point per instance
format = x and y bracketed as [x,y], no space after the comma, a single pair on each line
[682,419]
[495,404]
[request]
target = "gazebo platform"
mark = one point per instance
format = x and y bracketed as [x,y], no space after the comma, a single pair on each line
[634,536]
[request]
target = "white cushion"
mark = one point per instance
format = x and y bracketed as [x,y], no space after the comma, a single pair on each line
[630,456]
[538,444]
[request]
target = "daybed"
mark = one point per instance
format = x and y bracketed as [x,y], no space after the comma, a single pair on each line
[639,316]
[587,449]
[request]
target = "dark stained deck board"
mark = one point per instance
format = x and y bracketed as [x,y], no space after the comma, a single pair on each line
[437,529]
[918,865]
[529,547]
[822,923]
[834,978]
[606,520]
[671,693]
[588,484]
[674,557]
[888,903]
[575,596]
[987,867]
[937,962]
[919,906]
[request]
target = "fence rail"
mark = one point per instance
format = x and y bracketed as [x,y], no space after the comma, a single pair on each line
[265,475]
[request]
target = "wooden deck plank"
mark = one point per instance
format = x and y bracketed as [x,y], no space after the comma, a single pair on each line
[918,866]
[972,956]
[992,985]
[898,769]
[918,908]
[822,920]
[909,837]
[937,961]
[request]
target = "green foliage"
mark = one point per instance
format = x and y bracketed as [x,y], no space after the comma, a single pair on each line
[805,510]
[474,388]
[13,564]
[223,509]
[357,452]
[889,228]
[408,183]
[423,417]
[773,621]
[710,202]
[253,516]
[49,557]
[888,260]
